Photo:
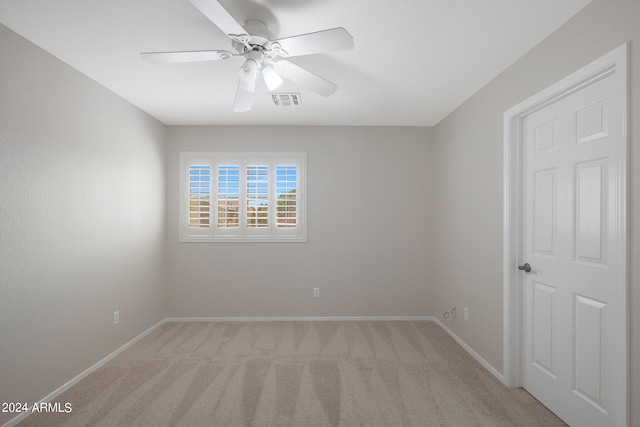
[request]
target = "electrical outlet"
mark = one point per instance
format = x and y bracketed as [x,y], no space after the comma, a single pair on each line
[316,292]
[466,313]
[116,317]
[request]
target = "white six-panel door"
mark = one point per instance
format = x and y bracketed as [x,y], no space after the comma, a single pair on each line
[570,238]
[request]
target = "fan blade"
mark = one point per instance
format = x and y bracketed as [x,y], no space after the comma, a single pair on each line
[322,41]
[245,92]
[305,78]
[213,10]
[194,56]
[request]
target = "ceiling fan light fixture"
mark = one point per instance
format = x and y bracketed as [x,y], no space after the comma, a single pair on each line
[271,78]
[249,70]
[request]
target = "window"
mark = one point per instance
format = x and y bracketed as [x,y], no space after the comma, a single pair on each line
[238,197]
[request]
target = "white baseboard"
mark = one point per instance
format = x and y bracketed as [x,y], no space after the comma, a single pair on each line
[471,351]
[82,375]
[298,319]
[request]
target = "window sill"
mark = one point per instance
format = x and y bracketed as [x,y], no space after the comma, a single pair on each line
[244,239]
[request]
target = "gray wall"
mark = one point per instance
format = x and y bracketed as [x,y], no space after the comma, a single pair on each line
[82,225]
[468,177]
[369,228]
[83,230]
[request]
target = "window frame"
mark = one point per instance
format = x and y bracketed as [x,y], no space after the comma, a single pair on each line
[243,233]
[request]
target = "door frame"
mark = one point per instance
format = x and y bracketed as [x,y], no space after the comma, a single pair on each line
[613,64]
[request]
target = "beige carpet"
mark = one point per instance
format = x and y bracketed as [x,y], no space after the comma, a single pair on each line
[397,373]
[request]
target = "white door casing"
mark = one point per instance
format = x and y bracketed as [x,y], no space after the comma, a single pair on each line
[565,323]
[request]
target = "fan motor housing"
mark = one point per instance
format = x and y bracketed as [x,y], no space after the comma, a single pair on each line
[259,37]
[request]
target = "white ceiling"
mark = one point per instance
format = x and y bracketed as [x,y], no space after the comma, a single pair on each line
[413,63]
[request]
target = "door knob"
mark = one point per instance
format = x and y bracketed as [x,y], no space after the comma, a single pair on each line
[526,267]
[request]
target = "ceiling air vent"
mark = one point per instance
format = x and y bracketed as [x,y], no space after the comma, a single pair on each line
[285,99]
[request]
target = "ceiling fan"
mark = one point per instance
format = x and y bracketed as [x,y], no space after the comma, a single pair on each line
[262,54]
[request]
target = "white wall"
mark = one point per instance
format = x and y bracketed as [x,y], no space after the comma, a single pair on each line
[369,228]
[81,221]
[468,177]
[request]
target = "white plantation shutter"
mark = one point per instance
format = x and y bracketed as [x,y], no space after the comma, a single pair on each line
[243,197]
[286,195]
[195,197]
[257,196]
[199,196]
[228,196]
